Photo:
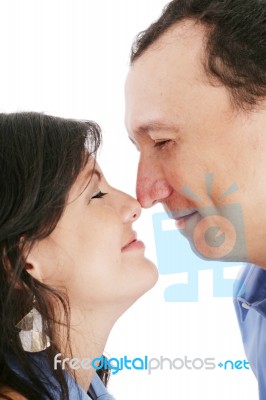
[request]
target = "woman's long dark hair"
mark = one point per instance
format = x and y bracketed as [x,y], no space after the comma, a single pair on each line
[40,159]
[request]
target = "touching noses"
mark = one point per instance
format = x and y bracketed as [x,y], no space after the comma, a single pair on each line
[152,187]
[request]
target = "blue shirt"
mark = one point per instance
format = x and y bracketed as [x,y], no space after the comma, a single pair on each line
[96,389]
[250,304]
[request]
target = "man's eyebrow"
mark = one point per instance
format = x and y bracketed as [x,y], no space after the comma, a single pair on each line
[155,126]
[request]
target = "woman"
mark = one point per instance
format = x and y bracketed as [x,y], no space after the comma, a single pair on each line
[70,262]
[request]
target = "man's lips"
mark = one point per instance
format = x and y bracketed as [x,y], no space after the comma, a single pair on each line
[178,214]
[181,219]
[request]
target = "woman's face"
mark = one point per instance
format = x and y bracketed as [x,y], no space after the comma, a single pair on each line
[93,251]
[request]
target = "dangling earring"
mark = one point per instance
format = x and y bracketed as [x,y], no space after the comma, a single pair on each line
[31,335]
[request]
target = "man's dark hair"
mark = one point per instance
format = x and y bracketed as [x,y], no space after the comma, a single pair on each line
[235,45]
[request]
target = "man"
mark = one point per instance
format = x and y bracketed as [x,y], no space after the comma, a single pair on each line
[196,105]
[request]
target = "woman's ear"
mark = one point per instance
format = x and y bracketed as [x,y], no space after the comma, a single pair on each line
[33,264]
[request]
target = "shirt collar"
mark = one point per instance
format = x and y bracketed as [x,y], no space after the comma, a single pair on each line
[99,390]
[251,290]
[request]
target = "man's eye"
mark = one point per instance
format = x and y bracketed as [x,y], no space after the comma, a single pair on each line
[161,143]
[99,195]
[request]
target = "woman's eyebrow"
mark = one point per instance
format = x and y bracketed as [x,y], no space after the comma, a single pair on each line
[88,177]
[97,173]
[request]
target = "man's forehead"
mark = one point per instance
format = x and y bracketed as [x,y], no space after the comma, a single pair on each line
[175,55]
[159,80]
[181,32]
[187,35]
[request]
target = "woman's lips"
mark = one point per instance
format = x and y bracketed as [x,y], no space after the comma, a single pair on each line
[133,245]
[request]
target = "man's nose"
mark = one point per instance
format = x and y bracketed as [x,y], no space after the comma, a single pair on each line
[152,186]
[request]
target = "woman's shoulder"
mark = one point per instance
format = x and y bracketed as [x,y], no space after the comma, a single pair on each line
[8,393]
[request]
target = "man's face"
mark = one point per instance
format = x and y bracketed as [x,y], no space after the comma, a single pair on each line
[193,145]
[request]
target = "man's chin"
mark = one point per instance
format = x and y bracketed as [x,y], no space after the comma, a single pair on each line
[213,237]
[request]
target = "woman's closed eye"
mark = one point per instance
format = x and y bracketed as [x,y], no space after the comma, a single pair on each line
[96,195]
[99,195]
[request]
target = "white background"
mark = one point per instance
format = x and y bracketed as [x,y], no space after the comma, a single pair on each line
[70,58]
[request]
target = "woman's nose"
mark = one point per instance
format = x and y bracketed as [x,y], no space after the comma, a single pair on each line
[130,208]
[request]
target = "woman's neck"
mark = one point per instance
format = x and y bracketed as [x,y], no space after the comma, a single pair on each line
[88,336]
